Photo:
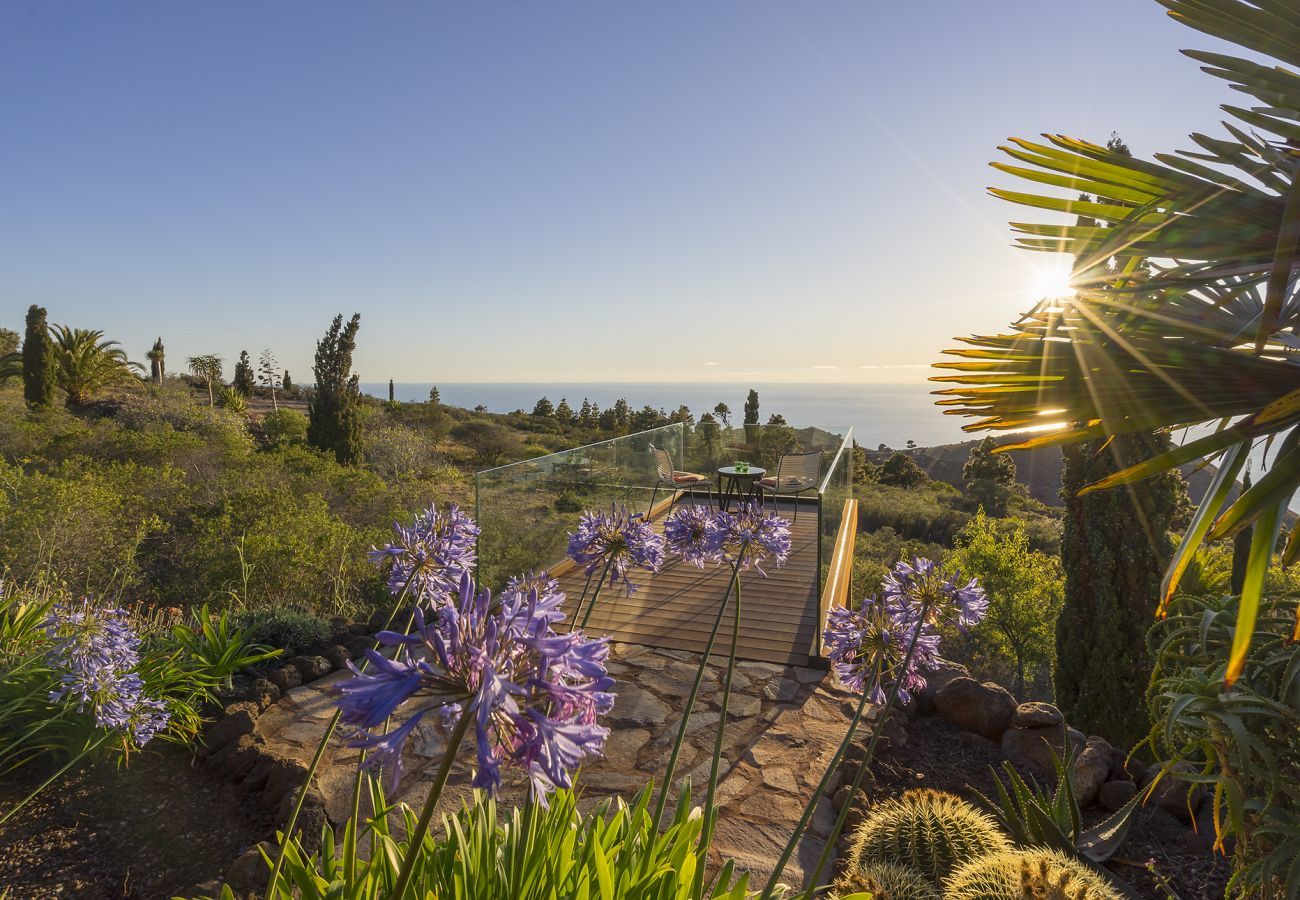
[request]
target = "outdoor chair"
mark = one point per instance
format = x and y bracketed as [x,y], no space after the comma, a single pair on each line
[675,479]
[795,474]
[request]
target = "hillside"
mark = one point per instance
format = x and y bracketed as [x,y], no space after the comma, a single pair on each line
[1039,470]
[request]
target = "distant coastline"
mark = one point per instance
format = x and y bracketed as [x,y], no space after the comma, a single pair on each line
[879,413]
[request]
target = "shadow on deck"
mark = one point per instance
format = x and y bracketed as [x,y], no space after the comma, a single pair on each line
[675,608]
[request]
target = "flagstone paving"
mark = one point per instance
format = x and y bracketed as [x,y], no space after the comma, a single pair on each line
[784,723]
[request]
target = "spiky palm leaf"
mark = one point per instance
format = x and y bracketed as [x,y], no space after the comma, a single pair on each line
[1187,308]
[85,363]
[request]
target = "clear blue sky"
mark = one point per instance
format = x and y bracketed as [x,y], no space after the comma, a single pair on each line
[554,191]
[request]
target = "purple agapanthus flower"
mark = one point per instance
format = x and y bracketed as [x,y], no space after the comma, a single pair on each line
[96,654]
[694,534]
[619,540]
[922,586]
[534,695]
[430,555]
[868,648]
[751,535]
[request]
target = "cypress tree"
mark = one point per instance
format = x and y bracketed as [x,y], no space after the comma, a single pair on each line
[286,383]
[1115,546]
[243,382]
[334,423]
[38,360]
[751,408]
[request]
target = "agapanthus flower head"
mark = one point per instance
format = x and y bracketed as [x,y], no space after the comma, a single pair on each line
[922,586]
[752,535]
[428,557]
[96,655]
[868,648]
[616,542]
[694,534]
[534,694]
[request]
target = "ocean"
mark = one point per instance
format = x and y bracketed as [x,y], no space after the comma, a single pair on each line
[890,414]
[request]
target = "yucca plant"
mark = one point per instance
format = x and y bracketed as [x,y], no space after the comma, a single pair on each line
[1186,310]
[231,399]
[1034,816]
[85,363]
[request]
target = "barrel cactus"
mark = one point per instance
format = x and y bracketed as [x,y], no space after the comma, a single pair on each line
[928,831]
[885,881]
[1037,874]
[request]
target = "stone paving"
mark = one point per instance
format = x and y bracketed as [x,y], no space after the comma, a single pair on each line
[784,724]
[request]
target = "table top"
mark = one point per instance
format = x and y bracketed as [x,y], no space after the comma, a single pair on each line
[752,472]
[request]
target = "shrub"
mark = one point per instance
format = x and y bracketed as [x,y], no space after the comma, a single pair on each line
[929,831]
[491,442]
[284,427]
[885,881]
[294,632]
[900,470]
[395,451]
[1027,875]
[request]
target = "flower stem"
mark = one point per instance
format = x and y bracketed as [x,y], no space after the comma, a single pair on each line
[596,594]
[871,747]
[416,838]
[811,807]
[690,699]
[711,814]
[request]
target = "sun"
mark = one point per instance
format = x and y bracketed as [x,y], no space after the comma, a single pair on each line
[1048,282]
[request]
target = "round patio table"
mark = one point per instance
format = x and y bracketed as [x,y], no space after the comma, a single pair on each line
[741,485]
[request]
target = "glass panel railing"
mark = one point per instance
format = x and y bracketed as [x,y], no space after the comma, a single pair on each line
[836,487]
[526,510]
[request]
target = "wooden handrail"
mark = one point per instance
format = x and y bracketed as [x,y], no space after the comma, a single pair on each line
[839,576]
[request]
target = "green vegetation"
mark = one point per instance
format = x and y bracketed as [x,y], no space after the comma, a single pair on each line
[334,409]
[990,477]
[1025,587]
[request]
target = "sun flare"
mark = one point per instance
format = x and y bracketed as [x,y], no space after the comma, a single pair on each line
[1048,282]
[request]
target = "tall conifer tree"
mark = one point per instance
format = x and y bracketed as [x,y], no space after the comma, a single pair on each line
[334,421]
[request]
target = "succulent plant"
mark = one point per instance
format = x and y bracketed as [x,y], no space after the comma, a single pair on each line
[929,831]
[885,881]
[1038,874]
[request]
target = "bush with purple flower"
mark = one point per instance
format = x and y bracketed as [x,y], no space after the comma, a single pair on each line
[95,657]
[427,558]
[750,535]
[531,695]
[616,543]
[868,647]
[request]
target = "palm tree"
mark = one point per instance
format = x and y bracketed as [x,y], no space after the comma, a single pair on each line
[1186,310]
[85,364]
[207,368]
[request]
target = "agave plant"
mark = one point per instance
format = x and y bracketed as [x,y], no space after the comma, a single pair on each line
[1186,310]
[85,364]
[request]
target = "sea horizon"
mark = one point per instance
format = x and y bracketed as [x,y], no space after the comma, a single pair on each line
[889,413]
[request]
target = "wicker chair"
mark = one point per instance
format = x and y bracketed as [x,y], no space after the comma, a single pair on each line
[675,479]
[795,474]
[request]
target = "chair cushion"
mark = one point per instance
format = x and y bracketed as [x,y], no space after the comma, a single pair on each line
[787,482]
[687,477]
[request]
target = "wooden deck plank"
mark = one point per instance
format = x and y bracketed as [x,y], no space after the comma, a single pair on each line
[675,608]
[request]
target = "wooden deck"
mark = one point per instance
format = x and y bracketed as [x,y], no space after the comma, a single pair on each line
[675,608]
